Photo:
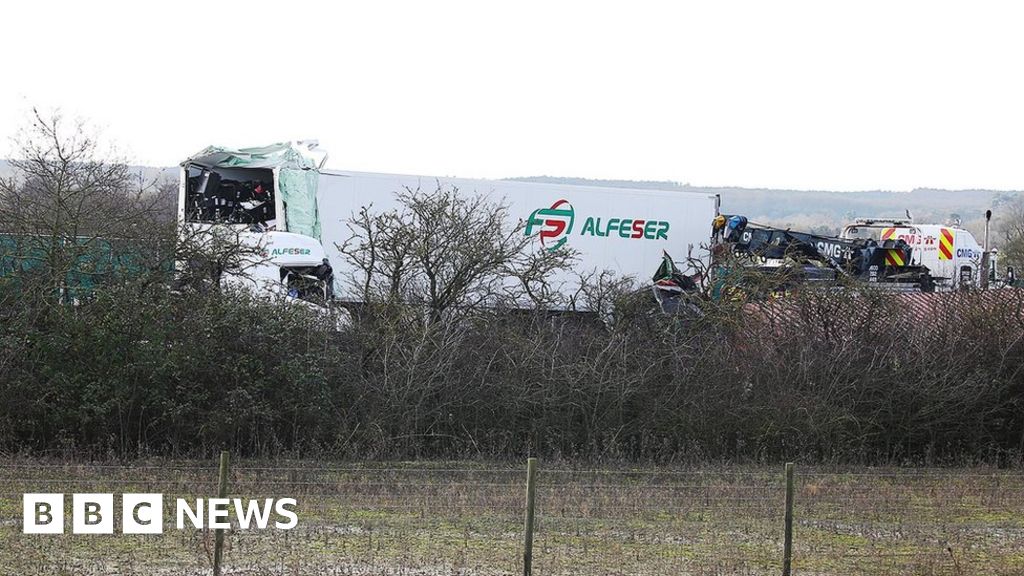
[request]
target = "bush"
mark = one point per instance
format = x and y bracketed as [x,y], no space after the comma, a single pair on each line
[822,376]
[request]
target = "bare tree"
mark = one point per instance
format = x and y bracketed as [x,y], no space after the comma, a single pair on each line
[1011,227]
[602,291]
[203,256]
[446,250]
[70,202]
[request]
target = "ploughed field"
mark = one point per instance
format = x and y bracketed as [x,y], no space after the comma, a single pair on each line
[467,518]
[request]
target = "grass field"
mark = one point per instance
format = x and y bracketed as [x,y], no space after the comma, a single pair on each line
[467,518]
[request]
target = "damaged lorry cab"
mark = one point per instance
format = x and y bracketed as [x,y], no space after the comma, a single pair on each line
[264,201]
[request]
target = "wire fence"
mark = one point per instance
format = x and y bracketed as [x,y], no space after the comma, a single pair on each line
[435,519]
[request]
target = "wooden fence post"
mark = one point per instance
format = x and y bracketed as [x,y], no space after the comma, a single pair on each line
[531,488]
[222,492]
[787,549]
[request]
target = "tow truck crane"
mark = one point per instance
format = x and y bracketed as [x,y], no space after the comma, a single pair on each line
[816,257]
[781,258]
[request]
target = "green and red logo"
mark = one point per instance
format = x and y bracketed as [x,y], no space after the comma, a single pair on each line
[555,224]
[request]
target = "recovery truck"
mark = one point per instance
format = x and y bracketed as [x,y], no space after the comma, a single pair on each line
[890,253]
[777,259]
[813,257]
[953,256]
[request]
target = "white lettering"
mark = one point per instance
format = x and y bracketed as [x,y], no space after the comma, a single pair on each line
[282,510]
[196,516]
[218,514]
[252,510]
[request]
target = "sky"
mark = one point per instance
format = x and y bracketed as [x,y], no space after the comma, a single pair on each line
[808,95]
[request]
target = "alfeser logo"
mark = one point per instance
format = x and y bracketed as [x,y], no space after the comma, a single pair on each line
[290,252]
[555,222]
[286,252]
[555,225]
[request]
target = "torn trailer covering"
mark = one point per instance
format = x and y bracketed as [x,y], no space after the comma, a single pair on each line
[672,288]
[295,166]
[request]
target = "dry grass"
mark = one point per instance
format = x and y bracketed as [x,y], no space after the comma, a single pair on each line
[466,518]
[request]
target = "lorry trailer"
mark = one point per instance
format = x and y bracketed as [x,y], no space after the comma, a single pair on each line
[282,191]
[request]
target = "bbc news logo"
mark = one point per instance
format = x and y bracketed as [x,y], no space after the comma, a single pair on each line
[144,513]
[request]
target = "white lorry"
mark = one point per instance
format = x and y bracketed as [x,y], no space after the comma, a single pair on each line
[281,195]
[951,254]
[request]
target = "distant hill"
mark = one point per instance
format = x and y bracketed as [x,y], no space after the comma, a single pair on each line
[825,211]
[149,173]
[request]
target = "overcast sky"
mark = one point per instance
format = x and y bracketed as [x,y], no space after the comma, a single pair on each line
[811,95]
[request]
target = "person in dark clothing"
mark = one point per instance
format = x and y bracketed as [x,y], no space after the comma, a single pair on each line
[325,274]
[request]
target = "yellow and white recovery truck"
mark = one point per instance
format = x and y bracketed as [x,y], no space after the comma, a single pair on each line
[952,254]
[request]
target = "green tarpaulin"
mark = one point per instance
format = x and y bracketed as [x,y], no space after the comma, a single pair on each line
[297,165]
[298,190]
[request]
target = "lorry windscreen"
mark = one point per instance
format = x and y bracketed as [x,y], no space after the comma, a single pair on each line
[863,233]
[230,196]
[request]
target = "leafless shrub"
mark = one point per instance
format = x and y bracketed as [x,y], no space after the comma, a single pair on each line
[446,250]
[71,204]
[1010,224]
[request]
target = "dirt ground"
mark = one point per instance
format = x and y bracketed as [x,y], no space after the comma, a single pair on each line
[466,518]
